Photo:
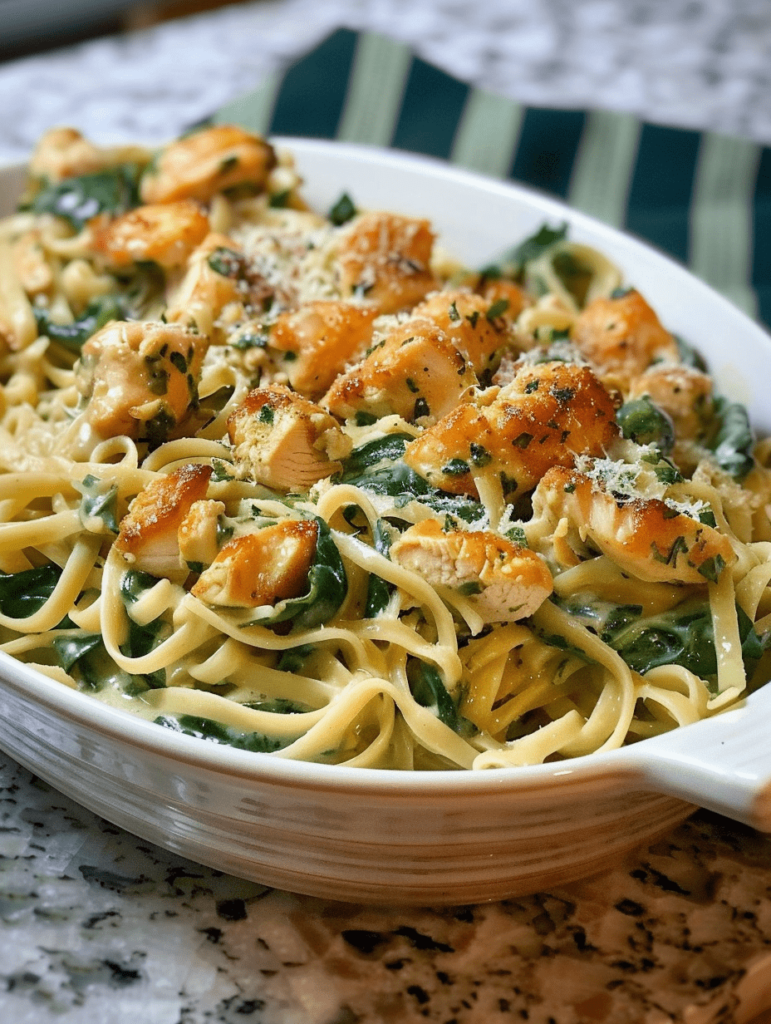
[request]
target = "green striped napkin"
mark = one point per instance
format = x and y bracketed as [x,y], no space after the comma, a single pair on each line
[703,198]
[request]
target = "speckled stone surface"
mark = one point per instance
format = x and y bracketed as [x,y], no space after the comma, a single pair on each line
[97,927]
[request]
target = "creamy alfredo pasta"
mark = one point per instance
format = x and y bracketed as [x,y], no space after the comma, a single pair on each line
[297,483]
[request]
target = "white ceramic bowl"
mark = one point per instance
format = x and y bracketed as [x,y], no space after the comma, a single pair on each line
[445,837]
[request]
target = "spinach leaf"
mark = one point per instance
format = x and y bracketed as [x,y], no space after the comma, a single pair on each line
[395,479]
[99,312]
[142,639]
[688,355]
[753,645]
[370,455]
[343,210]
[228,262]
[644,423]
[574,275]
[78,199]
[251,339]
[513,262]
[292,660]
[216,732]
[682,636]
[377,466]
[133,584]
[378,590]
[278,706]
[430,692]
[460,507]
[24,593]
[100,500]
[280,200]
[732,442]
[83,656]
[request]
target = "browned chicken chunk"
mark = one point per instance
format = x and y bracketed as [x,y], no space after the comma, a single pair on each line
[323,336]
[284,441]
[387,260]
[416,373]
[261,568]
[645,537]
[622,337]
[64,153]
[504,581]
[218,275]
[148,535]
[140,378]
[683,392]
[206,162]
[164,233]
[471,323]
[29,257]
[197,535]
[545,417]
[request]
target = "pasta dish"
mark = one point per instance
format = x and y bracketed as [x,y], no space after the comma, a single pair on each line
[301,483]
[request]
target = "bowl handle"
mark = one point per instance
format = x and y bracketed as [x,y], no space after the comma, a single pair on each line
[723,764]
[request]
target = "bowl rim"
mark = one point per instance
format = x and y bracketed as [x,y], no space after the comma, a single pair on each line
[131,731]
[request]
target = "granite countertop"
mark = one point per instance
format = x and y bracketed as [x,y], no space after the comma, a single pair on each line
[97,926]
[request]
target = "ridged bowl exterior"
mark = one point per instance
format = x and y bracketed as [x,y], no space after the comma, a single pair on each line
[344,837]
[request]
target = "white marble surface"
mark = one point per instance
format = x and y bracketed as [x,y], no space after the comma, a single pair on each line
[97,927]
[696,63]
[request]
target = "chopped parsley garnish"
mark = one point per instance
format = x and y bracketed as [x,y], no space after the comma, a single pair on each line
[497,309]
[455,467]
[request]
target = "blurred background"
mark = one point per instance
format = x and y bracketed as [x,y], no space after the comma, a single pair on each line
[157,65]
[32,26]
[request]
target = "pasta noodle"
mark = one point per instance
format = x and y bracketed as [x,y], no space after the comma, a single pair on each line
[293,482]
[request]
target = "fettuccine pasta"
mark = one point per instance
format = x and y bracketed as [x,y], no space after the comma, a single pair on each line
[297,482]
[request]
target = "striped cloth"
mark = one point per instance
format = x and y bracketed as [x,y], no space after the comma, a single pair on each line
[701,197]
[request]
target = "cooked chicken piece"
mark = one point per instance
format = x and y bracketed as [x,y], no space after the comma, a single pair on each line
[387,260]
[197,534]
[217,275]
[622,337]
[148,536]
[645,537]
[546,416]
[164,233]
[284,441]
[683,392]
[505,296]
[416,373]
[261,568]
[64,153]
[504,581]
[34,271]
[324,337]
[140,378]
[472,323]
[206,162]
